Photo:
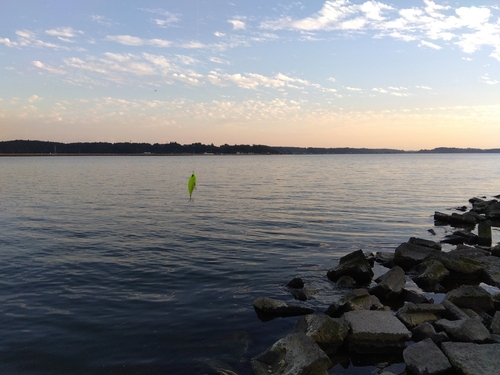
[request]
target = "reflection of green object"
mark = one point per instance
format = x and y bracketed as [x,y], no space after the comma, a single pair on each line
[191,184]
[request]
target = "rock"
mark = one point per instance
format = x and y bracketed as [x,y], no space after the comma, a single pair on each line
[426,331]
[375,332]
[425,358]
[408,255]
[296,354]
[269,308]
[492,211]
[461,265]
[440,217]
[495,324]
[462,219]
[473,359]
[413,315]
[484,233]
[354,265]
[453,311]
[453,239]
[471,296]
[390,285]
[346,282]
[429,273]
[466,330]
[423,242]
[298,294]
[414,297]
[296,283]
[468,237]
[495,251]
[328,333]
[358,299]
[385,258]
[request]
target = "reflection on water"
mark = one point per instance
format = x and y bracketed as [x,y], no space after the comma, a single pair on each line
[106,266]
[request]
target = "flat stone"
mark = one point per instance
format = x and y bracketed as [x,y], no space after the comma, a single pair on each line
[268,308]
[425,358]
[412,315]
[358,299]
[473,359]
[466,330]
[471,296]
[375,331]
[426,243]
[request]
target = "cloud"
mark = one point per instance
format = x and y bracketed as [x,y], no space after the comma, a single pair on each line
[129,40]
[489,81]
[237,24]
[63,32]
[49,69]
[429,44]
[168,19]
[34,98]
[471,28]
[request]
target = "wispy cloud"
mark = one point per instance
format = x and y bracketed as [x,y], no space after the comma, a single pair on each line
[135,41]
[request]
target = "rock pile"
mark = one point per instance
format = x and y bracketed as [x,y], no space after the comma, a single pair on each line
[460,335]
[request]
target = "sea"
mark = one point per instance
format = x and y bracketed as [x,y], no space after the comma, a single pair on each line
[107,267]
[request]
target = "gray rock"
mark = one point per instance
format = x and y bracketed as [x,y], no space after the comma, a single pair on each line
[430,273]
[296,354]
[471,296]
[426,243]
[467,330]
[296,283]
[358,299]
[408,255]
[495,324]
[390,285]
[346,282]
[492,211]
[454,312]
[425,358]
[484,233]
[462,219]
[473,359]
[461,264]
[375,332]
[385,258]
[267,308]
[328,333]
[413,315]
[354,265]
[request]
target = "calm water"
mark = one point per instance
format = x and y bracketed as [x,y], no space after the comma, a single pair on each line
[105,267]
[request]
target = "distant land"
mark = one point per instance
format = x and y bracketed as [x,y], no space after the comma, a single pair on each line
[28,147]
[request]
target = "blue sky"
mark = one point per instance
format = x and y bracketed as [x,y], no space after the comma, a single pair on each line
[398,74]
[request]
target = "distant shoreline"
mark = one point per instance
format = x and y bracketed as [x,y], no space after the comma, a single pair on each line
[48,148]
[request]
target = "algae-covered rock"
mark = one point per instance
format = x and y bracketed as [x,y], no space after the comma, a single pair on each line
[327,332]
[355,265]
[358,299]
[472,297]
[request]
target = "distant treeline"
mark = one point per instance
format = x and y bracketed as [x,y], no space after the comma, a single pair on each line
[174,148]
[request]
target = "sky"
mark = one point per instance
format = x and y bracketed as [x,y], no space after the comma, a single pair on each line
[378,74]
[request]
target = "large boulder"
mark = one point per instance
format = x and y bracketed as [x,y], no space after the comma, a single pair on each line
[425,358]
[473,359]
[471,297]
[375,332]
[296,354]
[413,315]
[425,243]
[328,333]
[429,273]
[355,265]
[495,324]
[269,308]
[390,285]
[426,331]
[408,255]
[466,330]
[358,299]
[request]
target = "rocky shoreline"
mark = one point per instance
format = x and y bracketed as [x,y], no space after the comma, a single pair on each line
[381,317]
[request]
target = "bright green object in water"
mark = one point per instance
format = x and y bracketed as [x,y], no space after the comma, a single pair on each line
[191,185]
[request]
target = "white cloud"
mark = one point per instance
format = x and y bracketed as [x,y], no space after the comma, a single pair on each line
[63,32]
[129,40]
[49,69]
[489,81]
[7,42]
[219,34]
[34,98]
[353,89]
[429,44]
[237,24]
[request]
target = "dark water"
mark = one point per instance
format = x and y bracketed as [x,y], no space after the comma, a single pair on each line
[106,268]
